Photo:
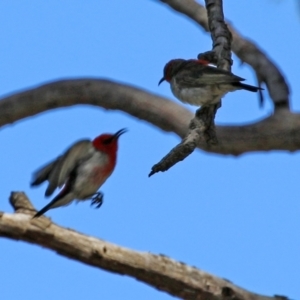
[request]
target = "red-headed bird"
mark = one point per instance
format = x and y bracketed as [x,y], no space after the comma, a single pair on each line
[195,82]
[81,170]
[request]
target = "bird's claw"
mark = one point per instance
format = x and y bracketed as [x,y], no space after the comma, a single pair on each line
[97,200]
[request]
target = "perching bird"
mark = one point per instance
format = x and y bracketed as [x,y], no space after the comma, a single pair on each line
[81,170]
[195,82]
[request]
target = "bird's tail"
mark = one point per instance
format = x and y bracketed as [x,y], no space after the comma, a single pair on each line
[247,87]
[60,200]
[43,210]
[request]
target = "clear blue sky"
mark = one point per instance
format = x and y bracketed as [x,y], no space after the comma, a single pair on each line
[237,218]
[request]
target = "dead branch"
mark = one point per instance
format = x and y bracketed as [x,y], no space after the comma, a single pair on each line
[202,126]
[159,271]
[280,131]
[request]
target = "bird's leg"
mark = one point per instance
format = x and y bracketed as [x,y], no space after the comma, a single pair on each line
[97,199]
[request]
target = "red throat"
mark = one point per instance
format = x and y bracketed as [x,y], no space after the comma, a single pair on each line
[108,144]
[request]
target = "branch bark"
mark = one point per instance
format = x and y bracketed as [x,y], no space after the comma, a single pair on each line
[202,126]
[220,34]
[159,271]
[280,131]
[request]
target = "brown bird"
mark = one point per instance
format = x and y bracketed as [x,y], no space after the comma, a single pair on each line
[195,82]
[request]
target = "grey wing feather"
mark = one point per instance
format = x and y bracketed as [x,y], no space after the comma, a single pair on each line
[58,170]
[66,164]
[212,76]
[42,174]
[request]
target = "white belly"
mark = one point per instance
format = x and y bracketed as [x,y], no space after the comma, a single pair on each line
[198,96]
[91,176]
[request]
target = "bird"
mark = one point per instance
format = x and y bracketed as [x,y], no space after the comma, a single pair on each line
[195,82]
[81,170]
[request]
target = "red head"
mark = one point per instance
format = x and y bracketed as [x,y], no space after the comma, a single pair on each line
[108,143]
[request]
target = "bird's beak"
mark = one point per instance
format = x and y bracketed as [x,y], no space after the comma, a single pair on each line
[163,79]
[119,133]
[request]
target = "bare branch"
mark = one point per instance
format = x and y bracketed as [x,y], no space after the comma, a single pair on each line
[220,34]
[278,132]
[246,50]
[201,131]
[159,271]
[102,93]
[182,150]
[202,126]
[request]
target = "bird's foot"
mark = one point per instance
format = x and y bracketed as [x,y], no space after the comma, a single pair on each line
[97,199]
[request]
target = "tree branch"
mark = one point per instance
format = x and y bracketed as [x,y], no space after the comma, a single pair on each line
[220,34]
[98,92]
[202,126]
[159,271]
[203,122]
[280,131]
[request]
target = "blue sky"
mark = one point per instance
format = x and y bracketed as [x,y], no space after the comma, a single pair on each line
[237,218]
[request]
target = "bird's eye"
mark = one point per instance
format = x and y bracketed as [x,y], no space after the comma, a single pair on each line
[107,141]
